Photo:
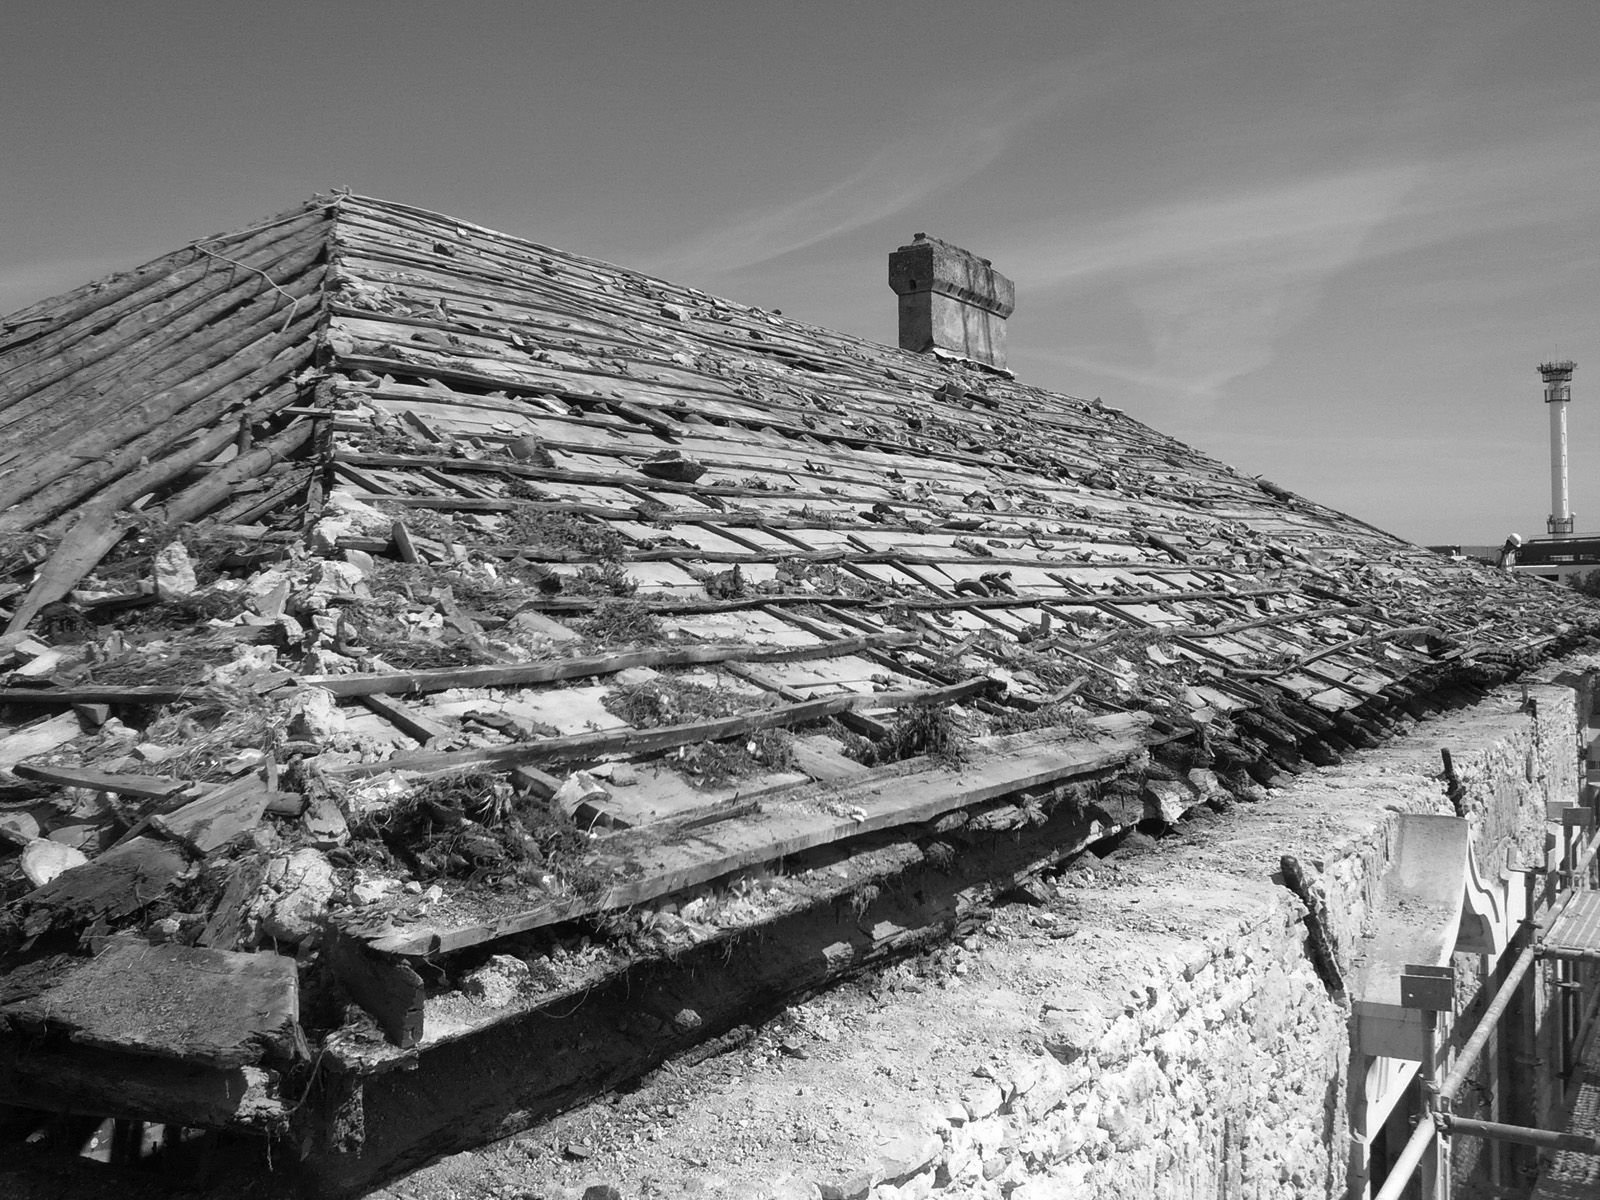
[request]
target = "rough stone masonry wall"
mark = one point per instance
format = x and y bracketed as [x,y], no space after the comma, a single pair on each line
[1227,1078]
[1156,1030]
[1225,1081]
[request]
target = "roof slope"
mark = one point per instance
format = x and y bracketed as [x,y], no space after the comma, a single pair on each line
[520,469]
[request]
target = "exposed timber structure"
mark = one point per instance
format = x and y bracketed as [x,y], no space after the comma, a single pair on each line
[413,631]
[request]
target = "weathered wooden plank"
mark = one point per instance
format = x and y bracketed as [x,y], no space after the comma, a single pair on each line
[386,987]
[819,757]
[648,741]
[211,1008]
[404,718]
[661,862]
[104,1084]
[146,787]
[99,694]
[410,682]
[119,883]
[217,817]
[41,737]
[227,919]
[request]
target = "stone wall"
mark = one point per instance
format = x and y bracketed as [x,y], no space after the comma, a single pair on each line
[1228,1076]
[1226,1084]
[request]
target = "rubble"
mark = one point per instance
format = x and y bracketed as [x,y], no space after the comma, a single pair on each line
[294,896]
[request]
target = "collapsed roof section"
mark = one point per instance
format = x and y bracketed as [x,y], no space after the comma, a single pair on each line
[154,397]
[724,587]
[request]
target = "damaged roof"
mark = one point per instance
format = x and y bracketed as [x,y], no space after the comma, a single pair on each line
[487,586]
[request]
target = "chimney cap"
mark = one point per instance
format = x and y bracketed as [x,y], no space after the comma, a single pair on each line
[930,264]
[951,301]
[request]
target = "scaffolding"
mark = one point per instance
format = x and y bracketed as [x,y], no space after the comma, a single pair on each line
[1567,935]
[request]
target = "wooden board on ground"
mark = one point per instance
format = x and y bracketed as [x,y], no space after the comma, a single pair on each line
[149,787]
[407,718]
[217,817]
[212,1008]
[39,738]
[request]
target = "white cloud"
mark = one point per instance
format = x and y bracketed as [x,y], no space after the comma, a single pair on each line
[1218,279]
[956,142]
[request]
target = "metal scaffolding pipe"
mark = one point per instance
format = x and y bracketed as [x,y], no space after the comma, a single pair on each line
[1570,954]
[1394,1185]
[1493,1130]
[1467,1059]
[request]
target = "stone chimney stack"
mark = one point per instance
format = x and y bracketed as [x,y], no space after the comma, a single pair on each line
[951,300]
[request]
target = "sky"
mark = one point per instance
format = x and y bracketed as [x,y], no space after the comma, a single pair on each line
[1328,241]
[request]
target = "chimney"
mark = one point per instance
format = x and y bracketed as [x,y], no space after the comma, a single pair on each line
[951,300]
[1557,395]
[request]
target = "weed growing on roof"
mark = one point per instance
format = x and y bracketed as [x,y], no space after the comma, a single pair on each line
[472,826]
[395,586]
[862,898]
[478,590]
[607,578]
[717,764]
[620,622]
[19,552]
[670,700]
[1061,717]
[426,522]
[933,731]
[211,726]
[942,855]
[573,531]
[175,662]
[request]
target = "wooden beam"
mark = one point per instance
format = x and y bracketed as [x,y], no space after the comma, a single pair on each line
[146,787]
[407,720]
[386,988]
[649,741]
[656,861]
[217,817]
[209,1008]
[104,1084]
[412,682]
[119,883]
[96,693]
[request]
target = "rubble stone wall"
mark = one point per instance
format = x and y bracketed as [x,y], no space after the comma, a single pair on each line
[1227,1078]
[1227,1084]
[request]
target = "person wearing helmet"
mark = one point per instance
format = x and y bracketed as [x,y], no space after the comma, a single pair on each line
[1508,552]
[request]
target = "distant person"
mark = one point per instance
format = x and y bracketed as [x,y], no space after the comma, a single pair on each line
[1508,552]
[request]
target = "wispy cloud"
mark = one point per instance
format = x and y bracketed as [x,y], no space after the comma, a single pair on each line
[1217,279]
[963,140]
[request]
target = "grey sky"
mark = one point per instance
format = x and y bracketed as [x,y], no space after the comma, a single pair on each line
[1327,241]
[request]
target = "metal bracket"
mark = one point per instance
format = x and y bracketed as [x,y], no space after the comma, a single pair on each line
[1428,988]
